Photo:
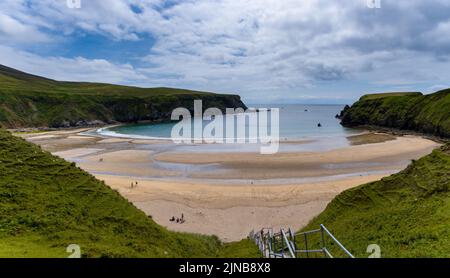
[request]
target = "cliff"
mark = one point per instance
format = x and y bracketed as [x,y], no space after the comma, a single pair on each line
[406,214]
[31,101]
[407,111]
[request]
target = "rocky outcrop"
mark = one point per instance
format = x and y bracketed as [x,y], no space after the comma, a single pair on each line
[428,114]
[31,101]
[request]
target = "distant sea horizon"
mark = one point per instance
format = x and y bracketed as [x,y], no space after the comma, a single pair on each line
[298,122]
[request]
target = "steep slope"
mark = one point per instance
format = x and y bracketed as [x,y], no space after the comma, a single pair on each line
[47,203]
[406,214]
[31,101]
[408,111]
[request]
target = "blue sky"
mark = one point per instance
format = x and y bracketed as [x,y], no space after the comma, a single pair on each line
[268,51]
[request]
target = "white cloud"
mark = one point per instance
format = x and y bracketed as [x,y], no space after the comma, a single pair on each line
[255,47]
[74,69]
[16,31]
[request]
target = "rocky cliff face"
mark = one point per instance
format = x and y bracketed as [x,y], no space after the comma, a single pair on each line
[32,101]
[70,111]
[422,113]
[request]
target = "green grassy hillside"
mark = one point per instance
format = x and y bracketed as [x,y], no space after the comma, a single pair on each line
[393,94]
[47,203]
[406,214]
[409,111]
[32,101]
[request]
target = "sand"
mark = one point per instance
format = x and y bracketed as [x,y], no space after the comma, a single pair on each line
[70,154]
[388,155]
[231,212]
[370,138]
[230,194]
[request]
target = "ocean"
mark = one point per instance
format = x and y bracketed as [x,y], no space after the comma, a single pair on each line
[297,122]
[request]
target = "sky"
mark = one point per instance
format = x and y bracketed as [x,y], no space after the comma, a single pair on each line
[267,51]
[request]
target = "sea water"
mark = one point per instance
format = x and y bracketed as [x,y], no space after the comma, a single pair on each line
[297,123]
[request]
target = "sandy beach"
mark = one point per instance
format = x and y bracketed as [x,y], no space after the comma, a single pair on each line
[228,194]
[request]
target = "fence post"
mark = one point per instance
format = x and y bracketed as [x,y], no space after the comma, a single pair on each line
[271,243]
[294,245]
[306,245]
[323,241]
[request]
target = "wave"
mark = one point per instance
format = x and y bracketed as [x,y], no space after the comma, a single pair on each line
[106,132]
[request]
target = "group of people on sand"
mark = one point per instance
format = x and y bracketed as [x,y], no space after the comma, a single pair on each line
[180,220]
[134,184]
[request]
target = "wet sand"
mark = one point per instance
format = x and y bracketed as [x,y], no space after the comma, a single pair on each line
[229,194]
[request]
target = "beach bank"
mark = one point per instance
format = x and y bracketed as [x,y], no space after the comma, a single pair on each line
[230,193]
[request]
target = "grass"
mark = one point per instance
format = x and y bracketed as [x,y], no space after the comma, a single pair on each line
[406,214]
[411,111]
[47,204]
[393,94]
[245,248]
[29,247]
[32,101]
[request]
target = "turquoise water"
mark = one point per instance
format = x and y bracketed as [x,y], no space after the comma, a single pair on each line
[299,132]
[297,122]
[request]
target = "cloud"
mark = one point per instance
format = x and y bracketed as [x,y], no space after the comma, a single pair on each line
[436,88]
[12,30]
[291,48]
[71,69]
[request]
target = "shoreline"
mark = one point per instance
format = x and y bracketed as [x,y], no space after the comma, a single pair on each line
[401,132]
[227,209]
[364,129]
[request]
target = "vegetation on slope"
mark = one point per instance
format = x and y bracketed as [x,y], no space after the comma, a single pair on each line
[394,94]
[408,111]
[47,203]
[406,214]
[32,101]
